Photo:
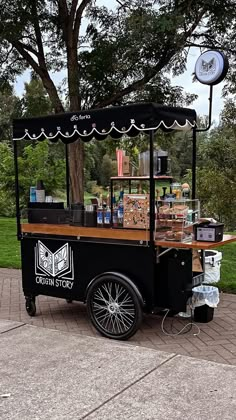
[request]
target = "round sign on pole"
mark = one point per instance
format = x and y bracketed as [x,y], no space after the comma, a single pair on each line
[211,67]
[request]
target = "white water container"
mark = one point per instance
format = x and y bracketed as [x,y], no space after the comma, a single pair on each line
[212,266]
[40,196]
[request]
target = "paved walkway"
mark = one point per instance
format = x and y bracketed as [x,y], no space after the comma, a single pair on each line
[49,374]
[216,341]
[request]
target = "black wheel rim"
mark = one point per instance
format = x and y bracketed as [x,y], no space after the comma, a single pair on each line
[113,308]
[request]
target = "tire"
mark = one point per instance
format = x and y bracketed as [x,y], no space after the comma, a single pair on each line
[114,307]
[30,306]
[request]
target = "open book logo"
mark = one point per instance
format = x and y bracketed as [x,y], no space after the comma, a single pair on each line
[55,264]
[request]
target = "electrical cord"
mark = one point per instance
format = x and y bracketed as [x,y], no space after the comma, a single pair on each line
[191,324]
[184,332]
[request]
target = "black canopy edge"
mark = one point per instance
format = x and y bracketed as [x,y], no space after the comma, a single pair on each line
[112,132]
[116,121]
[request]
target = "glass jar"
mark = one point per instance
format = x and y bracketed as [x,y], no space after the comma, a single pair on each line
[176,189]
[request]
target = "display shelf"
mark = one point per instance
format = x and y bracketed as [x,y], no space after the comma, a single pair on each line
[141,178]
[196,244]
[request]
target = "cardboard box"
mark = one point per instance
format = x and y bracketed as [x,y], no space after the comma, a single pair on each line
[196,262]
[126,169]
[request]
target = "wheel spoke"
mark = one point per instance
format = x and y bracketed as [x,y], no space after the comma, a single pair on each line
[123,321]
[126,299]
[107,289]
[119,292]
[98,295]
[125,317]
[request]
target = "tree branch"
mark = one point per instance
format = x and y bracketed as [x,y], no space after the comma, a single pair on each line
[63,16]
[138,84]
[203,45]
[30,49]
[73,11]
[38,35]
[43,73]
[78,17]
[167,54]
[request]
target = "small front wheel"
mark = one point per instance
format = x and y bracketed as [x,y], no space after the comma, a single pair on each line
[114,307]
[69,300]
[30,306]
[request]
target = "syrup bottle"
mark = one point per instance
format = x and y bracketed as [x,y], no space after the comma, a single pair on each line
[121,209]
[115,212]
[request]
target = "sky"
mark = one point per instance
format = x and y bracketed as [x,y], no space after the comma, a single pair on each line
[185,80]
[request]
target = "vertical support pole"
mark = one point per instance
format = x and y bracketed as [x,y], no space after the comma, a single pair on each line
[129,186]
[152,190]
[194,151]
[111,194]
[67,176]
[18,225]
[194,158]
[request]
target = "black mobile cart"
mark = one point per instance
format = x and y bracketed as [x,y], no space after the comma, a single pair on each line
[119,273]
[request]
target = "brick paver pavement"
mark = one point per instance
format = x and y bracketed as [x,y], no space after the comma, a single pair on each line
[216,341]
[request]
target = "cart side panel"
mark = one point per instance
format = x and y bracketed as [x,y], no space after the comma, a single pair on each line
[49,267]
[64,268]
[136,262]
[174,279]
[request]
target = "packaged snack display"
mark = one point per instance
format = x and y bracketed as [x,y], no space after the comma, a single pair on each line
[175,219]
[136,211]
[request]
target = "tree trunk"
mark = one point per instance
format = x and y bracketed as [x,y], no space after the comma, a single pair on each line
[76,162]
[76,149]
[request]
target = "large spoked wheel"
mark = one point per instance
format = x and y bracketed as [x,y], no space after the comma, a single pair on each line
[114,307]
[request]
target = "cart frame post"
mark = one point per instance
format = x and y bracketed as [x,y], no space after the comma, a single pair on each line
[152,190]
[194,159]
[67,176]
[18,224]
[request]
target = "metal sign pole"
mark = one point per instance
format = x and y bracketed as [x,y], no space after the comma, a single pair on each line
[194,149]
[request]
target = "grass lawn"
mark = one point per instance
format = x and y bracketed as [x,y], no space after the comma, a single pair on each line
[9,246]
[227,282]
[10,255]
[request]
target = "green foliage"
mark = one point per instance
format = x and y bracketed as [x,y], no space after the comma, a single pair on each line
[10,107]
[36,163]
[216,193]
[7,180]
[216,172]
[35,100]
[106,170]
[90,186]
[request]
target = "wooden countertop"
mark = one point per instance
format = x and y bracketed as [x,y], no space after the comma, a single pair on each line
[142,178]
[92,232]
[197,244]
[119,234]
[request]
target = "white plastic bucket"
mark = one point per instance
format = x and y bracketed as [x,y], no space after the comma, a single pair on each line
[212,266]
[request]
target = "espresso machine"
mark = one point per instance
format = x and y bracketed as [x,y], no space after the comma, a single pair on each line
[161,163]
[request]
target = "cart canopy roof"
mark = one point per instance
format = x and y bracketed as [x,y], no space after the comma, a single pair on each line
[99,123]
